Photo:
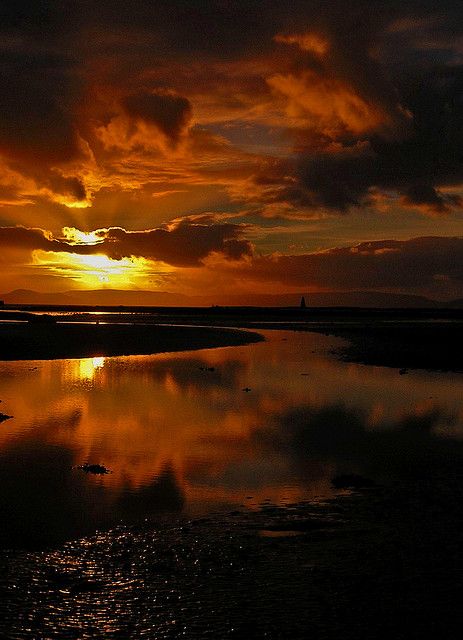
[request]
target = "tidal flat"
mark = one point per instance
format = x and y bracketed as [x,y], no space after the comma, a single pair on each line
[50,340]
[226,511]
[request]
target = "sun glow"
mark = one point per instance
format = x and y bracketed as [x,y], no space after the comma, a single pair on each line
[73,204]
[98,271]
[103,268]
[75,236]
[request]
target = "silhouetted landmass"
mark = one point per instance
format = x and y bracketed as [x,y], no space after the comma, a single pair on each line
[140,298]
[426,338]
[435,346]
[44,341]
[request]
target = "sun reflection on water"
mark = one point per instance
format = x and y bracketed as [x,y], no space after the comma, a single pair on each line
[87,367]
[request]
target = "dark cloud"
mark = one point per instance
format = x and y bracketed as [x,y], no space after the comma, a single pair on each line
[37,106]
[168,112]
[184,244]
[425,195]
[71,186]
[419,264]
[27,239]
[376,107]
[412,137]
[40,89]
[418,166]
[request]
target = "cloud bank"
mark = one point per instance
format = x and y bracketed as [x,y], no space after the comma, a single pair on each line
[123,117]
[218,257]
[361,97]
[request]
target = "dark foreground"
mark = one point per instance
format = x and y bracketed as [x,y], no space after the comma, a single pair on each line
[401,338]
[436,346]
[385,563]
[46,341]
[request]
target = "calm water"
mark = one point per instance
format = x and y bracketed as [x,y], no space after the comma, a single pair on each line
[181,434]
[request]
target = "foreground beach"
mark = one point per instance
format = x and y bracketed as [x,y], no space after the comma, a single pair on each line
[400,338]
[408,345]
[46,341]
[383,564]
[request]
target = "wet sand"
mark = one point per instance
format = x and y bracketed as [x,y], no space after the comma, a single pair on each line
[437,346]
[47,341]
[378,565]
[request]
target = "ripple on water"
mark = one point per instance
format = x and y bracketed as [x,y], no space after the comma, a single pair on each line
[211,577]
[356,566]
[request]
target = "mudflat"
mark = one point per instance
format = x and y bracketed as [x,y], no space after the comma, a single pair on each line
[437,346]
[45,341]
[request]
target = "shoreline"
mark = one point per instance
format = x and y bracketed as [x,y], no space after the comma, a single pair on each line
[435,347]
[26,341]
[402,340]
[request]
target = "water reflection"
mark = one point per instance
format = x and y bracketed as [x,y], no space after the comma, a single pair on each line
[89,366]
[180,433]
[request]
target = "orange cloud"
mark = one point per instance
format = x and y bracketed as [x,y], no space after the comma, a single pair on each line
[131,116]
[312,42]
[326,104]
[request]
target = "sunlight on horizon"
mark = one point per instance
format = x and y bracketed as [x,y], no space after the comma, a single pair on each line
[73,235]
[99,271]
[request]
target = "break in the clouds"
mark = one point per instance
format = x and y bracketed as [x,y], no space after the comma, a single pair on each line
[181,244]
[131,115]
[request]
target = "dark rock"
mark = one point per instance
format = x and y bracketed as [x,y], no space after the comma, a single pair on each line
[96,469]
[351,481]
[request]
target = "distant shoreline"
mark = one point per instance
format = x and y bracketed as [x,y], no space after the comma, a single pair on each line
[27,341]
[397,338]
[436,347]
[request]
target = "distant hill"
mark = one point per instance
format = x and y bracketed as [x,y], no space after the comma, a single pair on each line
[115,297]
[103,297]
[328,299]
[376,299]
[25,296]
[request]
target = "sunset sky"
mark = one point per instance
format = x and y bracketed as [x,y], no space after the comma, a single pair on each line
[247,146]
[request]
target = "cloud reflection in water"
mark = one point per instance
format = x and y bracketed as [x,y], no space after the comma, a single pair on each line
[180,434]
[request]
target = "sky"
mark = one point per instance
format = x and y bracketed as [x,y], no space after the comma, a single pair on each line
[241,146]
